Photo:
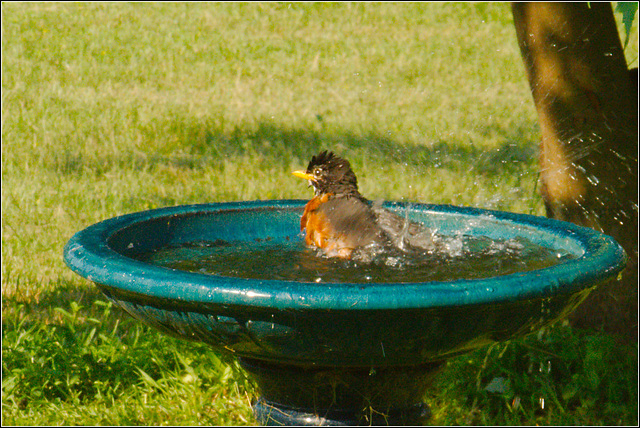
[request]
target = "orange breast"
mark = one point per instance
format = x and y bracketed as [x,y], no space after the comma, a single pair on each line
[320,233]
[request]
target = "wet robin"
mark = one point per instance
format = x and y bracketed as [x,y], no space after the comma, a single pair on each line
[339,220]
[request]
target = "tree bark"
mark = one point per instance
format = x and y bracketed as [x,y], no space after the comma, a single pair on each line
[586,101]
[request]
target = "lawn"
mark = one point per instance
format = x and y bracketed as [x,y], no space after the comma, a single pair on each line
[112,108]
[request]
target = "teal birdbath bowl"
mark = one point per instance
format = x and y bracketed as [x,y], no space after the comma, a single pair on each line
[336,353]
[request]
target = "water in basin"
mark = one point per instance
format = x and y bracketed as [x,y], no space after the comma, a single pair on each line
[456,257]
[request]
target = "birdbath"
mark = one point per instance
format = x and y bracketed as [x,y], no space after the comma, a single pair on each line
[336,353]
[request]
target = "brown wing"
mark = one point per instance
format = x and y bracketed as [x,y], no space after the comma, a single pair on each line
[352,221]
[404,232]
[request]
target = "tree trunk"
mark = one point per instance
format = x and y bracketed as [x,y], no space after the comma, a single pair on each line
[587,108]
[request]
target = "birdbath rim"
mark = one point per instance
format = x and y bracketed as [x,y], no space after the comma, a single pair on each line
[92,253]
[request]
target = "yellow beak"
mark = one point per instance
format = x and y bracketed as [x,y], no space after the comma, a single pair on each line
[303,174]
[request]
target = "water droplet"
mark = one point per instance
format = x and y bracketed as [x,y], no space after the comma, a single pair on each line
[545,367]
[593,180]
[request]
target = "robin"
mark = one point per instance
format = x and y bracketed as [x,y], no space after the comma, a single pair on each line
[339,220]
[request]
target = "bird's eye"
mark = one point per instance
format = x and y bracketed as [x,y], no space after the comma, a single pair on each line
[317,171]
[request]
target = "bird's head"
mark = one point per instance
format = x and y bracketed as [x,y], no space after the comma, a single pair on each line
[328,173]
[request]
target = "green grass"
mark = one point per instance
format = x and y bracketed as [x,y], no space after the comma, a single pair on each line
[115,108]
[558,377]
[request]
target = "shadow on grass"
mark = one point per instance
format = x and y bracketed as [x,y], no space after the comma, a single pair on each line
[96,353]
[560,376]
[73,345]
[202,143]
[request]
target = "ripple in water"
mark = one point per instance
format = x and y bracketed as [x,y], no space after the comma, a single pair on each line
[458,257]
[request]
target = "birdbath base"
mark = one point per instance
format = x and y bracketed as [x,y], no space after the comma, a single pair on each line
[292,395]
